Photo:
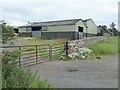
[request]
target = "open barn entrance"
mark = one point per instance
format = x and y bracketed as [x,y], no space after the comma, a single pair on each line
[36,32]
[80,32]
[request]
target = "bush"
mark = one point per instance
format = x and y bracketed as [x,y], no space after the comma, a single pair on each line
[16,77]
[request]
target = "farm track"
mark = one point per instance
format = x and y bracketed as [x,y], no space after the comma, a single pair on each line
[80,74]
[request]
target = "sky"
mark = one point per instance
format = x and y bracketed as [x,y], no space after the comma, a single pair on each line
[19,12]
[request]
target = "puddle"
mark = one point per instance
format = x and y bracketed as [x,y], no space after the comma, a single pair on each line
[72,70]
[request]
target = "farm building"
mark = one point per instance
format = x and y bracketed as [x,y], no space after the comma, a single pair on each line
[91,27]
[72,29]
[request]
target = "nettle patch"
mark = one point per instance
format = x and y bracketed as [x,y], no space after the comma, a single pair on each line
[82,53]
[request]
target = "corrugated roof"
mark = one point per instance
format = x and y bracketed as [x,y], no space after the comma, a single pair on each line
[87,20]
[53,23]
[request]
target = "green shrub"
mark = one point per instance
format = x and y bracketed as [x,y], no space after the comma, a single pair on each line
[16,77]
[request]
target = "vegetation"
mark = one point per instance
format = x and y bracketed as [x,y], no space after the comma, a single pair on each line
[14,77]
[7,33]
[113,29]
[35,41]
[106,47]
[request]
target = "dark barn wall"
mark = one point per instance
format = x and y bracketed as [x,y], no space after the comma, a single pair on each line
[36,28]
[55,35]
[68,35]
[90,35]
[28,34]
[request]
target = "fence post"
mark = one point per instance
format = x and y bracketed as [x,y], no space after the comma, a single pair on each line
[19,57]
[66,48]
[36,55]
[50,52]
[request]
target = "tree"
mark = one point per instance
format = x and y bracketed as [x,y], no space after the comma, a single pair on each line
[113,29]
[7,33]
[119,33]
[103,29]
[112,25]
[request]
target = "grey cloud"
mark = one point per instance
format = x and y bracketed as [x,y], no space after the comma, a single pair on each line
[40,11]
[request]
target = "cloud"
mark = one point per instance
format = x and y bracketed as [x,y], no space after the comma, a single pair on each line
[21,11]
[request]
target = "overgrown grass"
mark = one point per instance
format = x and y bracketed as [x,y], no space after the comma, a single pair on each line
[44,49]
[106,47]
[34,41]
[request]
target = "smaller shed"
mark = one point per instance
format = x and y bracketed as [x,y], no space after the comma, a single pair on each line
[91,28]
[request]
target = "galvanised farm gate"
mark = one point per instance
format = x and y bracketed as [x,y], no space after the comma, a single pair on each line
[34,54]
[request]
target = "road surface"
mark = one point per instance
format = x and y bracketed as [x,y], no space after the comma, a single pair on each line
[80,74]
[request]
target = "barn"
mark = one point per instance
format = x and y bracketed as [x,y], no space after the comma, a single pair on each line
[71,29]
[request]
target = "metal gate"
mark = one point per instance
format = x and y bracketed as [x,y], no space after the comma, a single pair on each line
[34,54]
[31,54]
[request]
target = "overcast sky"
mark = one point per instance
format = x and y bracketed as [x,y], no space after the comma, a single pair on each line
[19,12]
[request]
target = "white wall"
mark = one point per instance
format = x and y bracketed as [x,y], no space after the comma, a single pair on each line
[92,28]
[81,24]
[24,29]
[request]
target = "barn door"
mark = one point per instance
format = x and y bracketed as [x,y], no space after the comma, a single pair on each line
[80,35]
[80,32]
[36,34]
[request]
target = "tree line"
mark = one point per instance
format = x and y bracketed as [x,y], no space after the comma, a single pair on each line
[114,31]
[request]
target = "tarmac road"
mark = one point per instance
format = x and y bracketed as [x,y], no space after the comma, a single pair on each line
[80,74]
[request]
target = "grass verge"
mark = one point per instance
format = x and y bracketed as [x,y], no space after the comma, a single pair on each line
[106,47]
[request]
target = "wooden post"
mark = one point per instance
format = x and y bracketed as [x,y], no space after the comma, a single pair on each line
[50,52]
[19,57]
[36,55]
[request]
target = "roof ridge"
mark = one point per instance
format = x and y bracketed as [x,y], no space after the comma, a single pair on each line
[87,19]
[55,21]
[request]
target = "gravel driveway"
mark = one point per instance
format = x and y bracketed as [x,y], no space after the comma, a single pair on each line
[80,74]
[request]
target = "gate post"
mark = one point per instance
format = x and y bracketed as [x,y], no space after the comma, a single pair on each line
[66,48]
[50,52]
[19,57]
[36,55]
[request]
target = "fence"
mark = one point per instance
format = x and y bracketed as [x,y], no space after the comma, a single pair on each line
[34,54]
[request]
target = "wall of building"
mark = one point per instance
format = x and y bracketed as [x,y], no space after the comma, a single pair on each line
[24,29]
[25,34]
[92,28]
[80,23]
[62,28]
[55,35]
